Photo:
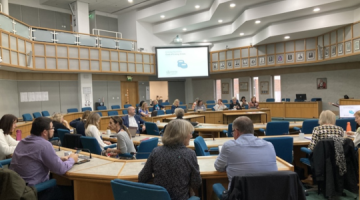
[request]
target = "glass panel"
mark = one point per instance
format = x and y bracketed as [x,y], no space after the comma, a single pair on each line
[87,40]
[84,53]
[256,88]
[95,65]
[139,68]
[131,67]
[73,52]
[62,64]
[122,56]
[277,88]
[39,63]
[6,23]
[50,50]
[13,43]
[130,57]
[22,30]
[105,55]
[126,45]
[5,40]
[50,63]
[115,66]
[236,88]
[66,38]
[43,36]
[123,67]
[146,58]
[108,43]
[94,54]
[6,56]
[138,58]
[146,68]
[105,66]
[84,65]
[21,45]
[39,50]
[62,51]
[74,64]
[14,58]
[114,56]
[218,89]
[22,61]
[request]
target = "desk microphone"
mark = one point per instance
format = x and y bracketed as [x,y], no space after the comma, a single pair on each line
[87,150]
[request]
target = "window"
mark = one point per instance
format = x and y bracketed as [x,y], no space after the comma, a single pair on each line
[277,88]
[218,89]
[256,88]
[236,88]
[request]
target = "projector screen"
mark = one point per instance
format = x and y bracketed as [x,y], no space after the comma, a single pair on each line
[177,62]
[348,110]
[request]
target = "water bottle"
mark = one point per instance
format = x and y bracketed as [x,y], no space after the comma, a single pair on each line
[18,135]
[348,127]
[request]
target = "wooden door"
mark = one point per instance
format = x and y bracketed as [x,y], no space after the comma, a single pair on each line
[129,93]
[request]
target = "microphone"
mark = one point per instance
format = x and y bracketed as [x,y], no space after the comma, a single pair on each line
[87,150]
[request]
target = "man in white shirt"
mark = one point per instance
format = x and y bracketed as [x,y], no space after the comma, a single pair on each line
[133,120]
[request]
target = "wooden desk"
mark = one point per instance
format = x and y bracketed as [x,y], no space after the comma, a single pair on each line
[256,117]
[349,101]
[294,109]
[193,118]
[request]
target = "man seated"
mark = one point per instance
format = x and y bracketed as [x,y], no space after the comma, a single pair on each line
[133,120]
[246,153]
[35,157]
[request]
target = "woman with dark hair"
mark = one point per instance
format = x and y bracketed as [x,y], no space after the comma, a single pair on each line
[79,123]
[243,102]
[124,142]
[200,106]
[7,143]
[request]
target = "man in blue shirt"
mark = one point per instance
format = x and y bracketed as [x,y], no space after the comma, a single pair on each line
[246,153]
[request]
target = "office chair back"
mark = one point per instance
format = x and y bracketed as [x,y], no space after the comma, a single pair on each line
[165,103]
[146,147]
[61,133]
[91,143]
[127,105]
[308,125]
[125,112]
[225,101]
[277,128]
[210,106]
[101,108]
[100,113]
[115,107]
[151,128]
[246,106]
[343,123]
[183,107]
[230,132]
[86,108]
[210,102]
[151,109]
[283,147]
[227,105]
[27,117]
[160,112]
[285,99]
[45,113]
[72,141]
[201,147]
[72,110]
[168,111]
[36,115]
[113,113]
[270,100]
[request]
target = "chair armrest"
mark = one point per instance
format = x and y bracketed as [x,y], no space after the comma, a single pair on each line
[262,130]
[194,198]
[110,146]
[306,150]
[45,185]
[126,155]
[296,128]
[218,189]
[5,162]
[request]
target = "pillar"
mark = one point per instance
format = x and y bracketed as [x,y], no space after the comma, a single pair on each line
[81,21]
[85,90]
[5,6]
[189,96]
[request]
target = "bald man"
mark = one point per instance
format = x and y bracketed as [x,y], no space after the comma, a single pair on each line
[133,120]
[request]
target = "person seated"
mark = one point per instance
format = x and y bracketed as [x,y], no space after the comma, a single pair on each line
[162,168]
[253,103]
[246,153]
[175,105]
[91,129]
[200,106]
[133,120]
[219,106]
[35,157]
[157,106]
[195,103]
[327,128]
[357,133]
[139,107]
[7,128]
[124,141]
[243,102]
[79,123]
[144,110]
[59,123]
[234,105]
[179,113]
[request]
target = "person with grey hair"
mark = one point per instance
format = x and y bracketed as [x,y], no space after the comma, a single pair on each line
[173,165]
[246,153]
[133,120]
[327,128]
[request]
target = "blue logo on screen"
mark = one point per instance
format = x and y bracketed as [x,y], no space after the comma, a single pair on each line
[182,64]
[351,112]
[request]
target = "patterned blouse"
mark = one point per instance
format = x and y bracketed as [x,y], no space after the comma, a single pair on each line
[324,132]
[175,168]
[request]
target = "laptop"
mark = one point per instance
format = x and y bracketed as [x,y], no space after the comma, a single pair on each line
[132,131]
[154,113]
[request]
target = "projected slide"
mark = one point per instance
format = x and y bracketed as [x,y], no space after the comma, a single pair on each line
[348,111]
[182,62]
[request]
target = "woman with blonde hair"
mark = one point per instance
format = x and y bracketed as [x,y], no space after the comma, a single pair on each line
[91,129]
[327,128]
[144,110]
[179,162]
[175,105]
[357,133]
[59,123]
[79,123]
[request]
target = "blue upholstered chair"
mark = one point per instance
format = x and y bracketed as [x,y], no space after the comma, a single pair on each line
[168,111]
[115,107]
[308,126]
[210,105]
[100,113]
[165,103]
[343,123]
[210,102]
[151,109]
[227,105]
[72,110]
[61,134]
[138,191]
[36,115]
[201,148]
[127,105]
[27,117]
[229,131]
[45,113]
[146,147]
[151,128]
[225,101]
[125,112]
[283,147]
[101,108]
[113,113]
[183,107]
[92,144]
[276,128]
[246,106]
[270,100]
[285,99]
[160,112]
[39,187]
[86,108]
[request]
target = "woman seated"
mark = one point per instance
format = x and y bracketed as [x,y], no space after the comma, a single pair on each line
[175,105]
[253,103]
[243,102]
[195,103]
[59,123]
[124,142]
[200,106]
[144,110]
[235,105]
[219,106]
[79,123]
[173,165]
[7,143]
[357,133]
[327,128]
[157,106]
[91,129]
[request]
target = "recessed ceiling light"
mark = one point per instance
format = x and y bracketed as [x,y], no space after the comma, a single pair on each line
[232,5]
[287,37]
[241,33]
[184,29]
[162,16]
[197,6]
[220,21]
[205,40]
[130,1]
[257,22]
[316,9]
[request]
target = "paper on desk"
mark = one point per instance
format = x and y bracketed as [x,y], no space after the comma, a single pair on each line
[309,138]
